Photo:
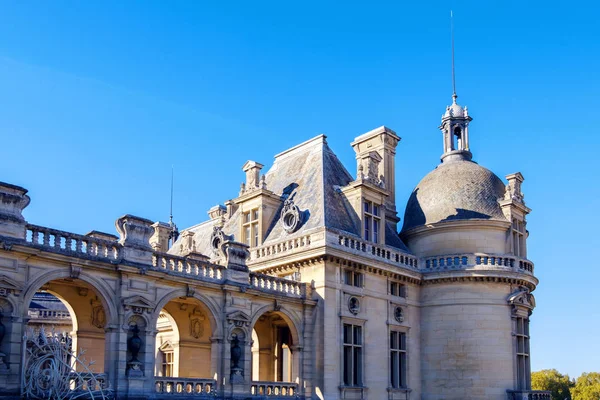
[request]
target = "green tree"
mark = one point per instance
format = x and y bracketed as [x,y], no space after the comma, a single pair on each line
[587,387]
[554,381]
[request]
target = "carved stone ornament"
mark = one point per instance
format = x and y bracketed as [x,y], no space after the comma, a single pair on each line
[238,319]
[353,305]
[290,216]
[521,301]
[98,314]
[217,239]
[399,314]
[196,323]
[8,286]
[138,305]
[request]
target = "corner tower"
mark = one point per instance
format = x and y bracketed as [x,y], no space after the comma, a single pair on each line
[468,229]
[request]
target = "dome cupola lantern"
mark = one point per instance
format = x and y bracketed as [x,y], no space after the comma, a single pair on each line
[455,130]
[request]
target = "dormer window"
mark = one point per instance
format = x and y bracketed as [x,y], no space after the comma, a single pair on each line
[250,228]
[372,221]
[518,234]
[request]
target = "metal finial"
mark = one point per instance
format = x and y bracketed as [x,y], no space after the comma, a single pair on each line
[454,95]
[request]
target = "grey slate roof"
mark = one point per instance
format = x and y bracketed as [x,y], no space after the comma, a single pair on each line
[311,175]
[456,190]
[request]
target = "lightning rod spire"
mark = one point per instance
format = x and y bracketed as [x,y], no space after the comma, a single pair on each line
[454,95]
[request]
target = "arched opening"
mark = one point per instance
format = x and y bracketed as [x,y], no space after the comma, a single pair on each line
[459,138]
[183,342]
[73,307]
[273,349]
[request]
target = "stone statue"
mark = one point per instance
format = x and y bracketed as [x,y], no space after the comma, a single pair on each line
[237,372]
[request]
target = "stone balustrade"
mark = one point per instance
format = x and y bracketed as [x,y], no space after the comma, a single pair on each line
[378,251]
[281,247]
[278,285]
[475,261]
[529,395]
[72,243]
[274,389]
[195,269]
[184,386]
[88,382]
[49,314]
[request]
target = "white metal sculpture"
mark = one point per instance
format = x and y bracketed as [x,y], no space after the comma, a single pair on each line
[52,370]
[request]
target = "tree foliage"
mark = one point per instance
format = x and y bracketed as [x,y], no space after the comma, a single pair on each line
[550,379]
[587,387]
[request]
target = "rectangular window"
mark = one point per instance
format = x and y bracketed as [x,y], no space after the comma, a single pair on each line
[168,363]
[250,228]
[353,278]
[372,221]
[352,355]
[397,289]
[398,360]
[523,363]
[518,236]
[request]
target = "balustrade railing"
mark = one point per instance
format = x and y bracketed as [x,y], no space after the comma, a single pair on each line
[49,314]
[72,243]
[84,382]
[476,260]
[184,386]
[281,248]
[185,266]
[529,395]
[278,285]
[382,252]
[274,389]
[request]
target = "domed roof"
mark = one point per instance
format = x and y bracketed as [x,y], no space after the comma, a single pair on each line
[455,110]
[457,190]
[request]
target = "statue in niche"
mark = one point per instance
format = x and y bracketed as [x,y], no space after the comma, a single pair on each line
[134,345]
[237,372]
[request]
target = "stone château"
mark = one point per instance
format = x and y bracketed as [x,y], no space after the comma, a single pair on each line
[301,287]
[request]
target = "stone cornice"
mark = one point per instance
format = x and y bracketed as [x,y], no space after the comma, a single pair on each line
[456,225]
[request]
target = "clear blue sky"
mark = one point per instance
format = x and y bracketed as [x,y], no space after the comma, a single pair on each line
[99,99]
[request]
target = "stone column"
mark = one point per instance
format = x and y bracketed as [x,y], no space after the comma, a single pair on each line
[13,199]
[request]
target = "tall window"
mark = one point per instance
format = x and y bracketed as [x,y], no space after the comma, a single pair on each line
[398,359]
[168,362]
[352,355]
[372,221]
[250,228]
[523,366]
[353,278]
[518,231]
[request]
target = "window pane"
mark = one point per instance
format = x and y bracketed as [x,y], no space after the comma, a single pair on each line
[367,228]
[255,214]
[358,279]
[357,366]
[357,335]
[247,236]
[375,209]
[347,365]
[393,287]
[375,230]
[255,229]
[367,207]
[394,368]
[348,277]
[347,333]
[403,341]
[403,370]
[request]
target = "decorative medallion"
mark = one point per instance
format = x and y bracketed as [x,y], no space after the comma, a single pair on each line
[216,241]
[98,314]
[290,216]
[399,314]
[196,324]
[353,305]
